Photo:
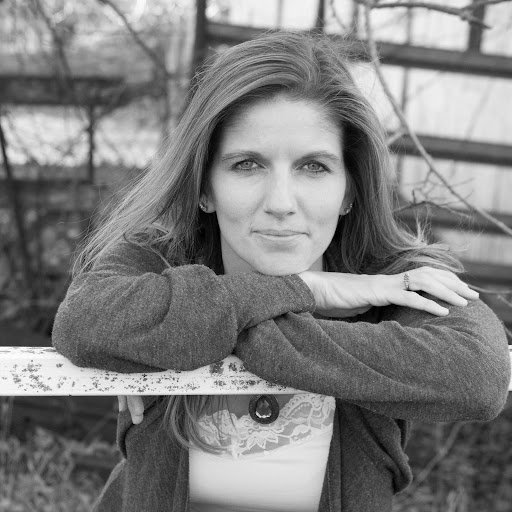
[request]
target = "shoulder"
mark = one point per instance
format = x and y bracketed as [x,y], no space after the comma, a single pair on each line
[130,255]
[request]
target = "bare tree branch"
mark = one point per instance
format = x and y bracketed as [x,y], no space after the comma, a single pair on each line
[149,52]
[489,291]
[395,136]
[415,204]
[398,112]
[433,171]
[336,16]
[480,3]
[438,457]
[462,13]
[58,47]
[18,216]
[502,298]
[465,13]
[20,141]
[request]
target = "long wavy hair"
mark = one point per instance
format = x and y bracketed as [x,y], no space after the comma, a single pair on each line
[160,211]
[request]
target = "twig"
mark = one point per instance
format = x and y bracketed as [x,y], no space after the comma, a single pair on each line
[393,137]
[488,291]
[428,159]
[480,3]
[462,13]
[17,210]
[104,420]
[58,46]
[439,456]
[19,139]
[149,52]
[71,143]
[465,13]
[426,202]
[6,403]
[335,14]
[502,298]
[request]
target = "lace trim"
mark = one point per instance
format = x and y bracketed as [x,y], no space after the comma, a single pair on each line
[303,416]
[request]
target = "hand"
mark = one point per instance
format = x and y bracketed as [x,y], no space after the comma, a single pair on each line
[134,405]
[342,295]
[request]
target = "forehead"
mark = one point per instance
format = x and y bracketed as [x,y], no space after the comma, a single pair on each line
[280,122]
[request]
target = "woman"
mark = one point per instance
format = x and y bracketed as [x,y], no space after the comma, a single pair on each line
[266,230]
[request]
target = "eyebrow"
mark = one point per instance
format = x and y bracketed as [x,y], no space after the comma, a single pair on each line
[253,154]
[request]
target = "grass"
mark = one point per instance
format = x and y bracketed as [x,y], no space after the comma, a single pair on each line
[40,474]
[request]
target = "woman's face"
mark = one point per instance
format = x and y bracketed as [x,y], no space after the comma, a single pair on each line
[277,184]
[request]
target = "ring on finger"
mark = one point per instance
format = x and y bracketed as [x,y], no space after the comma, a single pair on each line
[406,281]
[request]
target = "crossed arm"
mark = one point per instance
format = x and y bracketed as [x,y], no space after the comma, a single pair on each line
[131,313]
[410,365]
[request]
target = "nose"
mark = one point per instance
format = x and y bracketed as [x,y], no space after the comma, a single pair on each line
[280,198]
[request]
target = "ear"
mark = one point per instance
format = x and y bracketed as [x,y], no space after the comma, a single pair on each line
[206,204]
[348,200]
[346,210]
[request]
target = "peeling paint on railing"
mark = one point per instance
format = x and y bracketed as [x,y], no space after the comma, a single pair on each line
[42,371]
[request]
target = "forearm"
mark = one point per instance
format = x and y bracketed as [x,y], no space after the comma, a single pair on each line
[130,313]
[410,366]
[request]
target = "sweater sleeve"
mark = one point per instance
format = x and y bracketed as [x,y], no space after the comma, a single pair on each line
[132,313]
[411,365]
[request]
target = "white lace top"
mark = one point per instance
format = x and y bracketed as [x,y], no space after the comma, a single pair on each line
[278,466]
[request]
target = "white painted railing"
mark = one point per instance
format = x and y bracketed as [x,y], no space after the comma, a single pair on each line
[42,371]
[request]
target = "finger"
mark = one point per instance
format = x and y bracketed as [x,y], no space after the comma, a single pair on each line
[439,290]
[121,399]
[459,287]
[442,285]
[452,281]
[136,408]
[416,301]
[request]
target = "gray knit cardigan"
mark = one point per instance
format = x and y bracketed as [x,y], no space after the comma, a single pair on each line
[133,313]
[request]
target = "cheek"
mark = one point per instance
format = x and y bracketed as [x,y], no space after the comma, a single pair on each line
[325,204]
[326,224]
[232,202]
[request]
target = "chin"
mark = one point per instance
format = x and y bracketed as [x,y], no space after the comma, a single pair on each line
[281,268]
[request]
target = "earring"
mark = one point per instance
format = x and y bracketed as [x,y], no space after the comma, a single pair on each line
[203,206]
[348,208]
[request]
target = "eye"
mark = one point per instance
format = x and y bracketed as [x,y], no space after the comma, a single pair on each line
[245,165]
[315,167]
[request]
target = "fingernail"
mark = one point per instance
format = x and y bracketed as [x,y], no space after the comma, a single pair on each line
[463,301]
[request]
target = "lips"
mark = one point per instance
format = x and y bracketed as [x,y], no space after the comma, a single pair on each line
[279,232]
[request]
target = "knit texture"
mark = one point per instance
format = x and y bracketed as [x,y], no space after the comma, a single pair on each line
[132,313]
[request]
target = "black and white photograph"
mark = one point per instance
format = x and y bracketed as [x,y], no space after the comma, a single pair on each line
[255,256]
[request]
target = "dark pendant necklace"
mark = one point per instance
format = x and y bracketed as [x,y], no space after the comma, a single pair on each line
[264,408]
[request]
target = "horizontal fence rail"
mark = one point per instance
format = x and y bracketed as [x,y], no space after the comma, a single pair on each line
[42,371]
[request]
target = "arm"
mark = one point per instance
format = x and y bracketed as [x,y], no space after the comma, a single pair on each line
[131,313]
[411,365]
